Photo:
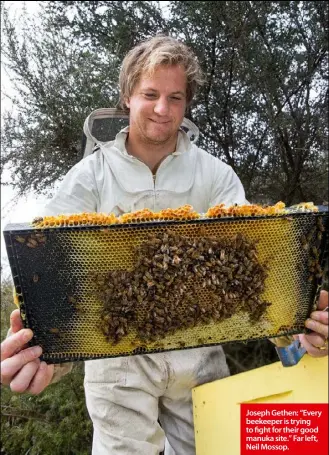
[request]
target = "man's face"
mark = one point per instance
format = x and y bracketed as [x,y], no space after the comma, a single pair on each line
[157,105]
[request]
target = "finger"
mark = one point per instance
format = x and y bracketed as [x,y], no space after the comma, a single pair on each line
[24,377]
[42,378]
[323,300]
[11,366]
[312,350]
[15,343]
[317,327]
[315,339]
[321,316]
[16,322]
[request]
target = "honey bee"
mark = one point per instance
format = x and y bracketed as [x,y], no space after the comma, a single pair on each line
[159,346]
[74,303]
[41,238]
[320,225]
[32,242]
[315,251]
[305,244]
[318,267]
[135,342]
[37,220]
[130,292]
[176,260]
[20,239]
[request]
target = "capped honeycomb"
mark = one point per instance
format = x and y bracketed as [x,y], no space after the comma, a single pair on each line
[93,287]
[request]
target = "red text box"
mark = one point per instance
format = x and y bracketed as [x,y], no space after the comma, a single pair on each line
[292,429]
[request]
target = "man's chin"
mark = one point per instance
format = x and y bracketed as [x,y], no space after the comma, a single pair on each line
[158,138]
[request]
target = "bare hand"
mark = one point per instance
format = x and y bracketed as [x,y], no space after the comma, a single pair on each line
[21,368]
[316,342]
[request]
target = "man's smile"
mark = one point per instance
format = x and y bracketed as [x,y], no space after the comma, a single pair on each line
[159,123]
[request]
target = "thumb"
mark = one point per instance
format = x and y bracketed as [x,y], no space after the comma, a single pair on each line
[16,322]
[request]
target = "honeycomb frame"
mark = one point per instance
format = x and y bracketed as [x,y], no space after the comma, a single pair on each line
[51,271]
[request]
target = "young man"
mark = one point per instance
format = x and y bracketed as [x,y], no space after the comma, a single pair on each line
[152,164]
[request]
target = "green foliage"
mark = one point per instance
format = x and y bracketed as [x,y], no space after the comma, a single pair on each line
[58,84]
[264,107]
[108,27]
[7,304]
[55,422]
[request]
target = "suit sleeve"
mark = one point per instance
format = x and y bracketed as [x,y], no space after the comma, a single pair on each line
[77,192]
[227,187]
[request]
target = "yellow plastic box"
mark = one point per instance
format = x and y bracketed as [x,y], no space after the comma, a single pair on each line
[216,406]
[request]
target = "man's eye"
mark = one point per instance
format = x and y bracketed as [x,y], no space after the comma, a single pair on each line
[149,95]
[176,98]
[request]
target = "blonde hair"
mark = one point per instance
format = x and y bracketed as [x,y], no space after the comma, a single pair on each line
[148,55]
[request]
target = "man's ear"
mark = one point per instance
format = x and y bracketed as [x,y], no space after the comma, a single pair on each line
[127,102]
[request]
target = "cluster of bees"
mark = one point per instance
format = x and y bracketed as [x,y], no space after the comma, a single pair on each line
[182,213]
[32,240]
[311,243]
[179,282]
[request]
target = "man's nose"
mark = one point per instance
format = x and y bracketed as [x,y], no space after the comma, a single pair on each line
[161,106]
